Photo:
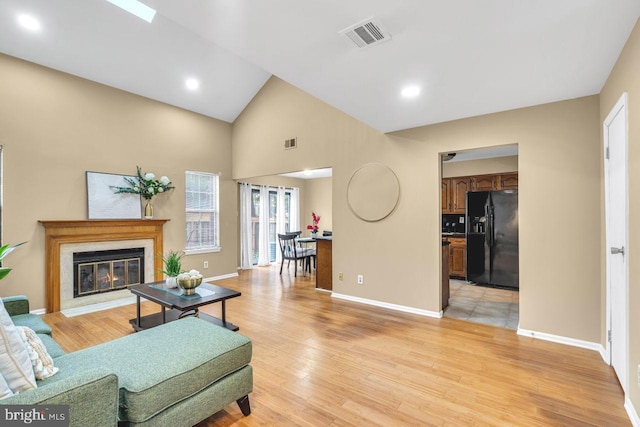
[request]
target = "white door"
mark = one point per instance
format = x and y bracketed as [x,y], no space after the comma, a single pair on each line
[616,208]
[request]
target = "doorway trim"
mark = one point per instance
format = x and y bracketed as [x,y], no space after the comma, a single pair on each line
[620,107]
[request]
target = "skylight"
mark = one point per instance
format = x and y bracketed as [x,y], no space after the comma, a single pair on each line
[136,8]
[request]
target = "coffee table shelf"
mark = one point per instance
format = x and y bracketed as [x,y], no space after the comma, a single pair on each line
[174,305]
[155,319]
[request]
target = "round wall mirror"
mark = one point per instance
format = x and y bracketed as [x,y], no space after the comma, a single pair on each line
[373,192]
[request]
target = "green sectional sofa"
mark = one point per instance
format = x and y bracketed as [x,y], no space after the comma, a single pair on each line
[176,374]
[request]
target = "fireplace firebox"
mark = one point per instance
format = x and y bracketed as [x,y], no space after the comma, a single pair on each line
[103,271]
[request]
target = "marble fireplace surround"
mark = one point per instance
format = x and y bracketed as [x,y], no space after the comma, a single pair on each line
[61,236]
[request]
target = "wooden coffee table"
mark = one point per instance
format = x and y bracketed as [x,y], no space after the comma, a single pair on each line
[180,305]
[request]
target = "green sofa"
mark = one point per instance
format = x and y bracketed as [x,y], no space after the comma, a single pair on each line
[176,374]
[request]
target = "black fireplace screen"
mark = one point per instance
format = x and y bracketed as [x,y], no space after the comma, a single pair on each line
[103,271]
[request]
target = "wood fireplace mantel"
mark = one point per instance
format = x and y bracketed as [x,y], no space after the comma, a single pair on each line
[58,232]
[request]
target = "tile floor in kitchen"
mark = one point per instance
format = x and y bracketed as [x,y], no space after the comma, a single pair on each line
[481,304]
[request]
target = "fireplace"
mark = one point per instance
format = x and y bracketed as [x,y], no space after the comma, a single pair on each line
[104,271]
[63,238]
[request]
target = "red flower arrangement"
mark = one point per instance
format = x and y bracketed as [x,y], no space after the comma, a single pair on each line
[314,226]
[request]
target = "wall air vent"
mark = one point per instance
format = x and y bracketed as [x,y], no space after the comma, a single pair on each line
[366,33]
[290,143]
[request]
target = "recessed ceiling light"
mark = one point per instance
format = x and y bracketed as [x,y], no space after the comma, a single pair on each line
[29,22]
[192,84]
[136,8]
[410,91]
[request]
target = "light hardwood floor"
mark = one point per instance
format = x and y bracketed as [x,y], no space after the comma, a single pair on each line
[320,361]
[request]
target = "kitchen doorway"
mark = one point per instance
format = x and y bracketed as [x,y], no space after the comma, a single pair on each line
[482,235]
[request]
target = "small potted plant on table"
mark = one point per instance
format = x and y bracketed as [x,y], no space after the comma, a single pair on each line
[172,268]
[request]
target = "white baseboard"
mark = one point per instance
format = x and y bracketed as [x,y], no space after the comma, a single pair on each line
[389,305]
[563,340]
[224,276]
[39,311]
[631,412]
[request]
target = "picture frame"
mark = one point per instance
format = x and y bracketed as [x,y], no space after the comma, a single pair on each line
[104,203]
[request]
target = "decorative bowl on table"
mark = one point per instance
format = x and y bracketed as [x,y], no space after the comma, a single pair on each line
[188,282]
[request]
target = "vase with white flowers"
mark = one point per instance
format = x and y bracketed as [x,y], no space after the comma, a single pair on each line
[146,186]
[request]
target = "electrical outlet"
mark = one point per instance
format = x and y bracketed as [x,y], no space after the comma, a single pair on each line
[340,276]
[206,264]
[360,279]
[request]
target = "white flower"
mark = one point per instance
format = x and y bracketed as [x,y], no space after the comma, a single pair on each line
[149,176]
[160,189]
[150,190]
[164,180]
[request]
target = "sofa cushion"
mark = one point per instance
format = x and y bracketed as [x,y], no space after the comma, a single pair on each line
[206,353]
[53,348]
[5,391]
[32,321]
[41,361]
[15,364]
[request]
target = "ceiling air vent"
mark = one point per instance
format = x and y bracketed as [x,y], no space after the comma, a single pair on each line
[366,33]
[290,143]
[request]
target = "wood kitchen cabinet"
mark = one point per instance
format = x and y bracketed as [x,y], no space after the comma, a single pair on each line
[509,181]
[457,256]
[446,195]
[459,188]
[454,195]
[484,183]
[454,190]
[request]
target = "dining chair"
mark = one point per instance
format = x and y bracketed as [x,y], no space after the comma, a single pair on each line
[292,252]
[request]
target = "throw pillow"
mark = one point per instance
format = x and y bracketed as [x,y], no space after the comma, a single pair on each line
[15,364]
[5,391]
[41,361]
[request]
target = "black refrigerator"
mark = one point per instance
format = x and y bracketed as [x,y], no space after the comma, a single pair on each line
[492,238]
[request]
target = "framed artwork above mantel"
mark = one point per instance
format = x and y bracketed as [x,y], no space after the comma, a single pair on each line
[104,203]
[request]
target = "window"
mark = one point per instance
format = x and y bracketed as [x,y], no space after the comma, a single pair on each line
[273,211]
[202,214]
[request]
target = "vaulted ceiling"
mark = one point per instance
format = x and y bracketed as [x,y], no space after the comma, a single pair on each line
[467,57]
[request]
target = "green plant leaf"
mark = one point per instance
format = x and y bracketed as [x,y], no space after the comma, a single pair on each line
[4,271]
[7,249]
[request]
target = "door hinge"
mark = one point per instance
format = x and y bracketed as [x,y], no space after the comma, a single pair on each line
[606,155]
[609,335]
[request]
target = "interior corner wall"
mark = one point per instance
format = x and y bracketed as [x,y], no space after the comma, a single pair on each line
[54,127]
[624,78]
[399,257]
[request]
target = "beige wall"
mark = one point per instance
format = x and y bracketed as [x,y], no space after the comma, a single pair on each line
[480,167]
[319,200]
[399,256]
[624,78]
[54,127]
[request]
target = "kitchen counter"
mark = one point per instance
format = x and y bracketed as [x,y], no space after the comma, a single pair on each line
[446,234]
